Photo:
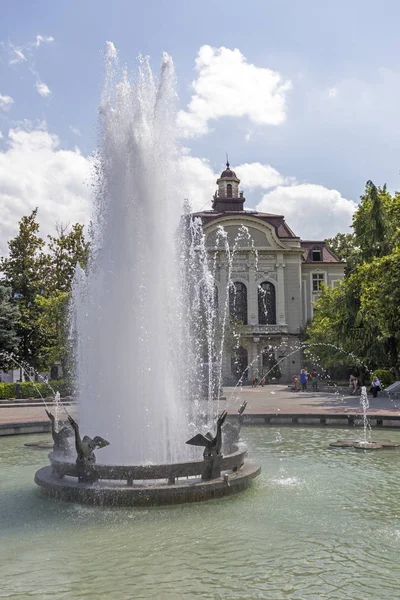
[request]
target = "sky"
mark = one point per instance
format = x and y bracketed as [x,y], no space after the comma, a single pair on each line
[302,94]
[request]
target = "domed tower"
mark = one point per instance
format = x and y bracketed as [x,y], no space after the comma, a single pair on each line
[228,197]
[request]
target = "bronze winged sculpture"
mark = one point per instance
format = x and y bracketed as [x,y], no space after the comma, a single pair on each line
[60,436]
[85,448]
[212,449]
[212,445]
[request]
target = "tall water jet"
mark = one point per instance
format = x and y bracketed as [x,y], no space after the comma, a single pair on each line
[130,356]
[145,320]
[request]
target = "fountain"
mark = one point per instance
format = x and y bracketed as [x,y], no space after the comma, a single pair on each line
[138,316]
[366,443]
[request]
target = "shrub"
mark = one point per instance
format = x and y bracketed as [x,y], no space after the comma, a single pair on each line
[385,377]
[37,389]
[7,390]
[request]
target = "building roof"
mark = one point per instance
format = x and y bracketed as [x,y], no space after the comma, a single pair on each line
[327,256]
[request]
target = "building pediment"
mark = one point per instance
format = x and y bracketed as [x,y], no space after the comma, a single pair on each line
[261,234]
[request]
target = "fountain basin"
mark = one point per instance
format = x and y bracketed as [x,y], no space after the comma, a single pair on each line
[138,485]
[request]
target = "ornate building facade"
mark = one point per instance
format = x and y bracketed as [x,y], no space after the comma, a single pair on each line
[275,279]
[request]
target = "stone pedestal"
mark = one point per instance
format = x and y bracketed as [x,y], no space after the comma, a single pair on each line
[212,468]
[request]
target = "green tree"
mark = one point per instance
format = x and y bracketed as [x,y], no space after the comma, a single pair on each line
[380,302]
[66,249]
[23,272]
[371,222]
[345,248]
[53,323]
[9,317]
[362,315]
[340,334]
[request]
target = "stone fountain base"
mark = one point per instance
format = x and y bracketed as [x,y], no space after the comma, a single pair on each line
[111,493]
[121,485]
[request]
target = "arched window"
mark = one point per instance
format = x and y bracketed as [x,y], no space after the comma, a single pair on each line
[238,301]
[239,364]
[266,303]
[229,190]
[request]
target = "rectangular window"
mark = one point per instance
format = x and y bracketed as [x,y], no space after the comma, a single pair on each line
[317,281]
[336,282]
[316,255]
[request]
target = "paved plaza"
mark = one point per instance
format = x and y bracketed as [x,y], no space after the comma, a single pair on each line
[281,399]
[271,399]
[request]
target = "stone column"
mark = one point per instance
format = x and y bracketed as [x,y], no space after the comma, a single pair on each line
[252,292]
[280,300]
[223,281]
[253,351]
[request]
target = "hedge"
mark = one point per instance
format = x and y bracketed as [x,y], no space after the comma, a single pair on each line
[37,389]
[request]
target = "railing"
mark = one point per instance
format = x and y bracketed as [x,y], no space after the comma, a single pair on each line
[266,329]
[94,472]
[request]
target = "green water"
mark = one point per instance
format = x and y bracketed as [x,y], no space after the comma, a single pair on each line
[318,523]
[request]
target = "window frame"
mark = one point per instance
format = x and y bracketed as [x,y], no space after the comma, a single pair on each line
[245,309]
[262,317]
[322,276]
[319,250]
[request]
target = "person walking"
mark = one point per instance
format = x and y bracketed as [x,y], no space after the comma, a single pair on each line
[375,387]
[303,380]
[351,385]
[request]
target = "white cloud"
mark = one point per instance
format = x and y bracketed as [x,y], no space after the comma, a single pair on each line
[256,175]
[199,179]
[228,86]
[312,211]
[75,130]
[42,89]
[198,182]
[333,92]
[5,102]
[16,55]
[43,39]
[35,171]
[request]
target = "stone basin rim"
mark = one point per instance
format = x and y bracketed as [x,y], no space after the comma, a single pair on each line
[230,462]
[101,493]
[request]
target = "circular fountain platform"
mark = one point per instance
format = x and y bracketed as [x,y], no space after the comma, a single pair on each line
[364,445]
[122,485]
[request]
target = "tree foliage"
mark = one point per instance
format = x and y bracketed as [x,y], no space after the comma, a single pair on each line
[65,250]
[39,277]
[344,246]
[23,273]
[9,316]
[362,316]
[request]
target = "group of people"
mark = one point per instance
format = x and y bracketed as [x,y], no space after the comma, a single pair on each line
[354,386]
[301,380]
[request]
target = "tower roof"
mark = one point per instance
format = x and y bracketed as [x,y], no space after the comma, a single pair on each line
[228,173]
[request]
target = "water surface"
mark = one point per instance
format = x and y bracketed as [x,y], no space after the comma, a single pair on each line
[317,524]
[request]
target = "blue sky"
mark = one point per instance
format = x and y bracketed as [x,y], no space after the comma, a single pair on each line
[336,127]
